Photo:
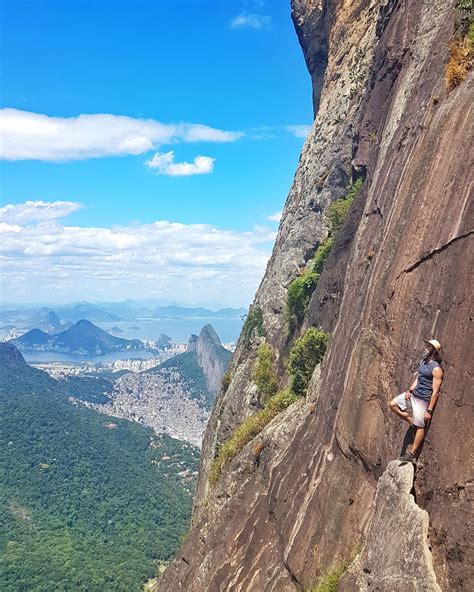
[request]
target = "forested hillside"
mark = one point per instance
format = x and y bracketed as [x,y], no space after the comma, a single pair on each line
[89,502]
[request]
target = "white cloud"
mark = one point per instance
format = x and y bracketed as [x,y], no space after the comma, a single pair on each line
[275,217]
[5,227]
[248,20]
[37,211]
[160,259]
[33,136]
[164,163]
[300,131]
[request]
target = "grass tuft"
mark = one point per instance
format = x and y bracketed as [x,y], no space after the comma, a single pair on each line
[248,429]
[264,375]
[301,288]
[338,210]
[461,55]
[305,355]
[330,580]
[461,48]
[253,325]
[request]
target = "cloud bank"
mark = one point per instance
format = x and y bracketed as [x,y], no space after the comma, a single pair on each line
[41,256]
[33,136]
[164,164]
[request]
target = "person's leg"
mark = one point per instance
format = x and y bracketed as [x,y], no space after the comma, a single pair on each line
[419,407]
[419,436]
[398,406]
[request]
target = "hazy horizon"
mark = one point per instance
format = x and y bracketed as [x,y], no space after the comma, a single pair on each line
[145,302]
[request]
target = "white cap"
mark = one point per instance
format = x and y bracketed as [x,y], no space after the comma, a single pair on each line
[436,344]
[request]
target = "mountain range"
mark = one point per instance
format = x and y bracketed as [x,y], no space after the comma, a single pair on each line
[55,319]
[82,338]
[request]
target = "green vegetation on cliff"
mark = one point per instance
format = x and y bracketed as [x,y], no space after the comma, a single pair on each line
[461,48]
[338,210]
[253,325]
[330,580]
[301,288]
[306,353]
[248,429]
[264,375]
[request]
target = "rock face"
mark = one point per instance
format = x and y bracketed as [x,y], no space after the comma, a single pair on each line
[192,343]
[395,554]
[399,270]
[212,357]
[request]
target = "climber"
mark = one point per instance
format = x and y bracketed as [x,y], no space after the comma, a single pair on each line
[417,404]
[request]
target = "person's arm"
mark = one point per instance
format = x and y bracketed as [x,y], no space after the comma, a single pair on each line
[409,392]
[437,381]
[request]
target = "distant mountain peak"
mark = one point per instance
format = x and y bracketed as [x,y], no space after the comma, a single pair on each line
[53,320]
[83,337]
[208,332]
[85,323]
[213,358]
[192,343]
[10,356]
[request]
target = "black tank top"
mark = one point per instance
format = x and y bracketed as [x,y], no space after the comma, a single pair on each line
[424,387]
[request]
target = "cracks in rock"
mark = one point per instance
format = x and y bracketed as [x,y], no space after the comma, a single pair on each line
[413,488]
[434,252]
[363,461]
[294,579]
[376,211]
[384,17]
[355,455]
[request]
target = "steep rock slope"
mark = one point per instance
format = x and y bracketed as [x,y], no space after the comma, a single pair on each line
[212,357]
[399,270]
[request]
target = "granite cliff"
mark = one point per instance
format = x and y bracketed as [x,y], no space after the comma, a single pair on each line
[306,495]
[212,357]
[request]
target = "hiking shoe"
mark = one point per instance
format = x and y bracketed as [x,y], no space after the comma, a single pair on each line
[408,457]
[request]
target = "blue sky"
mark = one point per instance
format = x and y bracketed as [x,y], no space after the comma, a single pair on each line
[120,115]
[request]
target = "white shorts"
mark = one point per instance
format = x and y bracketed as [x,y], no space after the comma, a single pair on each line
[415,406]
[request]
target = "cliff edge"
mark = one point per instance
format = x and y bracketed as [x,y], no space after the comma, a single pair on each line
[379,226]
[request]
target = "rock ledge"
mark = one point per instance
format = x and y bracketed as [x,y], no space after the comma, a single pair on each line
[395,555]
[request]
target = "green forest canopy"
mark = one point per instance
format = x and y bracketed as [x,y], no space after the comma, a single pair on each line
[86,505]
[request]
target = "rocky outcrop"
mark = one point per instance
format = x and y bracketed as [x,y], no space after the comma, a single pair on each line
[396,555]
[399,270]
[212,357]
[192,343]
